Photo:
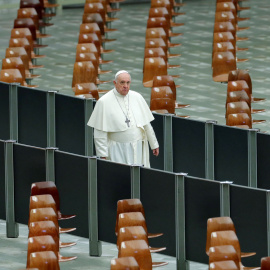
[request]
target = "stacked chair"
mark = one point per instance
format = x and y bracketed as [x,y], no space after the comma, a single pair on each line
[25,42]
[225,36]
[222,245]
[96,20]
[239,100]
[44,243]
[134,251]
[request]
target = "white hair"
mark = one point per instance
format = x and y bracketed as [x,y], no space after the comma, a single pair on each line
[120,72]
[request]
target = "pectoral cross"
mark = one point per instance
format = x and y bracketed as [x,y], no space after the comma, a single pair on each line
[127,121]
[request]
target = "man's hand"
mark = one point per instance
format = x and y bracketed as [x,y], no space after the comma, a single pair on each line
[156,152]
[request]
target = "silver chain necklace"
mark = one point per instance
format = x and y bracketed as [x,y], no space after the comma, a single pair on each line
[127,121]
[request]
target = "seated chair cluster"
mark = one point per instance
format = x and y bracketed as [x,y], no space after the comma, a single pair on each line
[222,245]
[157,40]
[134,251]
[44,243]
[225,36]
[25,42]
[239,100]
[90,48]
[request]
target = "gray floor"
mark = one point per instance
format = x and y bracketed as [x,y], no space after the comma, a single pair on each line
[206,97]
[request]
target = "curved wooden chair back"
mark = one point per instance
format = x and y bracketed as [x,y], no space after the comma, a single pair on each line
[22,33]
[153,66]
[265,263]
[96,8]
[157,32]
[217,224]
[158,104]
[90,28]
[164,80]
[40,243]
[87,88]
[223,253]
[90,38]
[11,76]
[162,92]
[26,23]
[225,6]
[163,3]
[241,74]
[94,18]
[19,52]
[44,260]
[222,64]
[239,119]
[42,201]
[224,46]
[236,96]
[43,214]
[21,42]
[225,16]
[156,22]
[160,12]
[228,265]
[224,37]
[14,63]
[35,4]
[156,43]
[225,27]
[124,263]
[88,48]
[41,228]
[82,57]
[29,13]
[237,107]
[238,86]
[84,72]
[131,233]
[139,250]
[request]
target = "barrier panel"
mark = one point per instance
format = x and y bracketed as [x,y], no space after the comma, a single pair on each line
[70,124]
[32,116]
[189,146]
[2,181]
[4,111]
[29,167]
[157,191]
[249,214]
[263,160]
[231,154]
[158,126]
[202,201]
[71,174]
[113,184]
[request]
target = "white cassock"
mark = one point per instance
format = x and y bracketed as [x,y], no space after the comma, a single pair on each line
[119,140]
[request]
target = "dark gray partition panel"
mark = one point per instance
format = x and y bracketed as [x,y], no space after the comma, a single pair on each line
[249,214]
[158,199]
[202,199]
[113,184]
[32,116]
[189,146]
[2,181]
[71,179]
[263,161]
[29,167]
[231,154]
[4,111]
[158,126]
[70,124]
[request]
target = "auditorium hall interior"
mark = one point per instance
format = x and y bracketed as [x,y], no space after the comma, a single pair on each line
[203,68]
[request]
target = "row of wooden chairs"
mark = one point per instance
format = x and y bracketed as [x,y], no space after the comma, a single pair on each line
[239,100]
[224,48]
[25,42]
[134,251]
[44,243]
[94,29]
[222,245]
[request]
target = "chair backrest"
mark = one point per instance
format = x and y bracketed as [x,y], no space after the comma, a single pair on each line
[139,250]
[238,86]
[29,13]
[162,92]
[124,263]
[26,23]
[87,88]
[40,243]
[265,263]
[94,18]
[131,233]
[84,72]
[223,253]
[239,119]
[11,76]
[157,32]
[156,22]
[222,64]
[226,6]
[90,38]
[225,16]
[237,107]
[217,224]
[156,43]
[241,74]
[158,104]
[224,37]
[160,12]
[44,260]
[238,96]
[88,48]
[225,27]
[21,42]
[14,63]
[95,8]
[164,80]
[223,46]
[22,33]
[19,52]
[162,3]
[153,66]
[42,201]
[35,4]
[228,265]
[155,52]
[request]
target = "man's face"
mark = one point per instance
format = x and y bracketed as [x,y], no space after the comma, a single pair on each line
[122,83]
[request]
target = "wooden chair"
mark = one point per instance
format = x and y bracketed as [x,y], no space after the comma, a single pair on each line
[43,214]
[221,224]
[134,233]
[265,263]
[140,251]
[49,187]
[241,120]
[124,263]
[43,260]
[12,76]
[238,96]
[229,6]
[223,253]
[226,27]
[130,206]
[166,3]
[241,74]
[159,104]
[228,265]
[85,89]
[42,201]
[222,64]
[235,2]
[227,37]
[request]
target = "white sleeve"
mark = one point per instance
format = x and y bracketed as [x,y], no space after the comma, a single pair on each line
[151,136]
[101,143]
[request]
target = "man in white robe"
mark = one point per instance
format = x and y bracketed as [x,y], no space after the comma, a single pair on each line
[121,121]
